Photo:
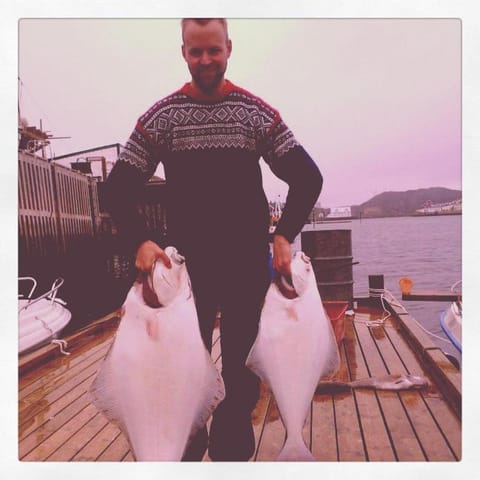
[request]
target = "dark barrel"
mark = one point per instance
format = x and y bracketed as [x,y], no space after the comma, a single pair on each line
[331,254]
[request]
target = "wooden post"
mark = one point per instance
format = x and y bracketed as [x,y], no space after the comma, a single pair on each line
[376,284]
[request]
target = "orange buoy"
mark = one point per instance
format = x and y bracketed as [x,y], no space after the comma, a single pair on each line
[405,285]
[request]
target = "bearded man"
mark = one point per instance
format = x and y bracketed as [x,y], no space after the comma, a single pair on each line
[210,135]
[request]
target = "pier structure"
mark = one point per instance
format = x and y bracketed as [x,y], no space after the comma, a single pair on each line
[64,230]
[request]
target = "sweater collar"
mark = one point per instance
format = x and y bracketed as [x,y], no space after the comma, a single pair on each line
[195,93]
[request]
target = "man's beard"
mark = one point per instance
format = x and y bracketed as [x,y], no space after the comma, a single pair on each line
[208,85]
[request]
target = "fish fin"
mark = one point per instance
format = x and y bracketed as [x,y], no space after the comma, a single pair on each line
[295,451]
[255,364]
[213,396]
[102,394]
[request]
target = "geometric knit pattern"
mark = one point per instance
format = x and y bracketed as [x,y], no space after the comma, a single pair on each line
[180,123]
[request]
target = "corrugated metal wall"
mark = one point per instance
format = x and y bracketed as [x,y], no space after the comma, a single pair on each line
[57,207]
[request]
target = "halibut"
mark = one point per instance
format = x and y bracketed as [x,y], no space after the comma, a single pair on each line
[158,382]
[294,349]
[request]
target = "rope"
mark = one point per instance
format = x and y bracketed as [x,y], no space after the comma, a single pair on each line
[452,288]
[62,344]
[387,295]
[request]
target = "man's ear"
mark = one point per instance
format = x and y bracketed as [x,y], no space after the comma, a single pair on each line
[229,48]
[183,51]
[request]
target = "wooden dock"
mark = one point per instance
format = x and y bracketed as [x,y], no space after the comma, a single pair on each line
[57,422]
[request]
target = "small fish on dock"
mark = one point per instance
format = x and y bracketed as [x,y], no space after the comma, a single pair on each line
[158,382]
[385,382]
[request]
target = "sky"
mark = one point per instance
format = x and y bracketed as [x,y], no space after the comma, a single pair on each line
[375,102]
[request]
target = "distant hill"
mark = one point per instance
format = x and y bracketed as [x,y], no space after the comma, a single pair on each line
[395,204]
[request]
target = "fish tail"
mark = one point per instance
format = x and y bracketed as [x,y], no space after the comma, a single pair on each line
[295,450]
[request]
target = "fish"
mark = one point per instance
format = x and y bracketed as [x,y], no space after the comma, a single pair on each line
[294,349]
[158,383]
[385,382]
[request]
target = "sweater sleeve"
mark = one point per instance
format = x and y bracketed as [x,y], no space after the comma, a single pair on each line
[289,161]
[124,186]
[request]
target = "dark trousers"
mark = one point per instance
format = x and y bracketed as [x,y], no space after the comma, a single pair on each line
[239,291]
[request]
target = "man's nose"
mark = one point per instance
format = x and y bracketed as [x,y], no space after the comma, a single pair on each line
[205,58]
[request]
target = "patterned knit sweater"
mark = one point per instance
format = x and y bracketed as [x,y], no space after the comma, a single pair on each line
[210,152]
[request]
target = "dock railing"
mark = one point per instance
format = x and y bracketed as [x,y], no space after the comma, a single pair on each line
[57,207]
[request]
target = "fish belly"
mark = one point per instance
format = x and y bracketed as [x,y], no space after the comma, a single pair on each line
[295,347]
[159,389]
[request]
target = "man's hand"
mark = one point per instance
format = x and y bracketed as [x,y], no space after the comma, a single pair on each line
[147,254]
[282,256]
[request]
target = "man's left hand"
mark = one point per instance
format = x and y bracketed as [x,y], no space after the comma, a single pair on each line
[282,255]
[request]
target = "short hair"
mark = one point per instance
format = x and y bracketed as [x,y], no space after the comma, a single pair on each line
[204,21]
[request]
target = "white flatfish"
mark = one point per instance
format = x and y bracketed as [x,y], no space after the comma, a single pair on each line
[158,382]
[295,348]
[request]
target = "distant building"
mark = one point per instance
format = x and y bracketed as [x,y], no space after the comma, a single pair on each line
[96,162]
[372,212]
[448,208]
[340,212]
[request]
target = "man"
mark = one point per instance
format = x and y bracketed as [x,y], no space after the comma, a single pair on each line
[210,136]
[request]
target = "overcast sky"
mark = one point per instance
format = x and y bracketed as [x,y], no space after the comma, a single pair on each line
[376,102]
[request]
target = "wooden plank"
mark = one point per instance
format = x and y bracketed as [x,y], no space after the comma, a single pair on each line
[419,339]
[97,445]
[30,188]
[116,451]
[307,429]
[272,436]
[57,439]
[448,377]
[68,449]
[377,442]
[440,367]
[128,457]
[404,440]
[66,371]
[433,296]
[21,185]
[216,346]
[43,412]
[57,367]
[349,435]
[447,420]
[33,404]
[53,423]
[324,438]
[33,178]
[433,443]
[48,368]
[259,414]
[41,187]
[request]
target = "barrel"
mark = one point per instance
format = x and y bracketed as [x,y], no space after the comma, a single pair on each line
[331,254]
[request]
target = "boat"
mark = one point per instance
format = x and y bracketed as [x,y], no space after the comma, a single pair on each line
[40,319]
[451,319]
[451,323]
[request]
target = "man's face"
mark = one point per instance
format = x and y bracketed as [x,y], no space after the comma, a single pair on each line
[206,50]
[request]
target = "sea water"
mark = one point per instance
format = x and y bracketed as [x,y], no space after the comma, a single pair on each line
[428,250]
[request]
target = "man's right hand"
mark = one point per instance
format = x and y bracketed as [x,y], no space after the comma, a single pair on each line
[147,254]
